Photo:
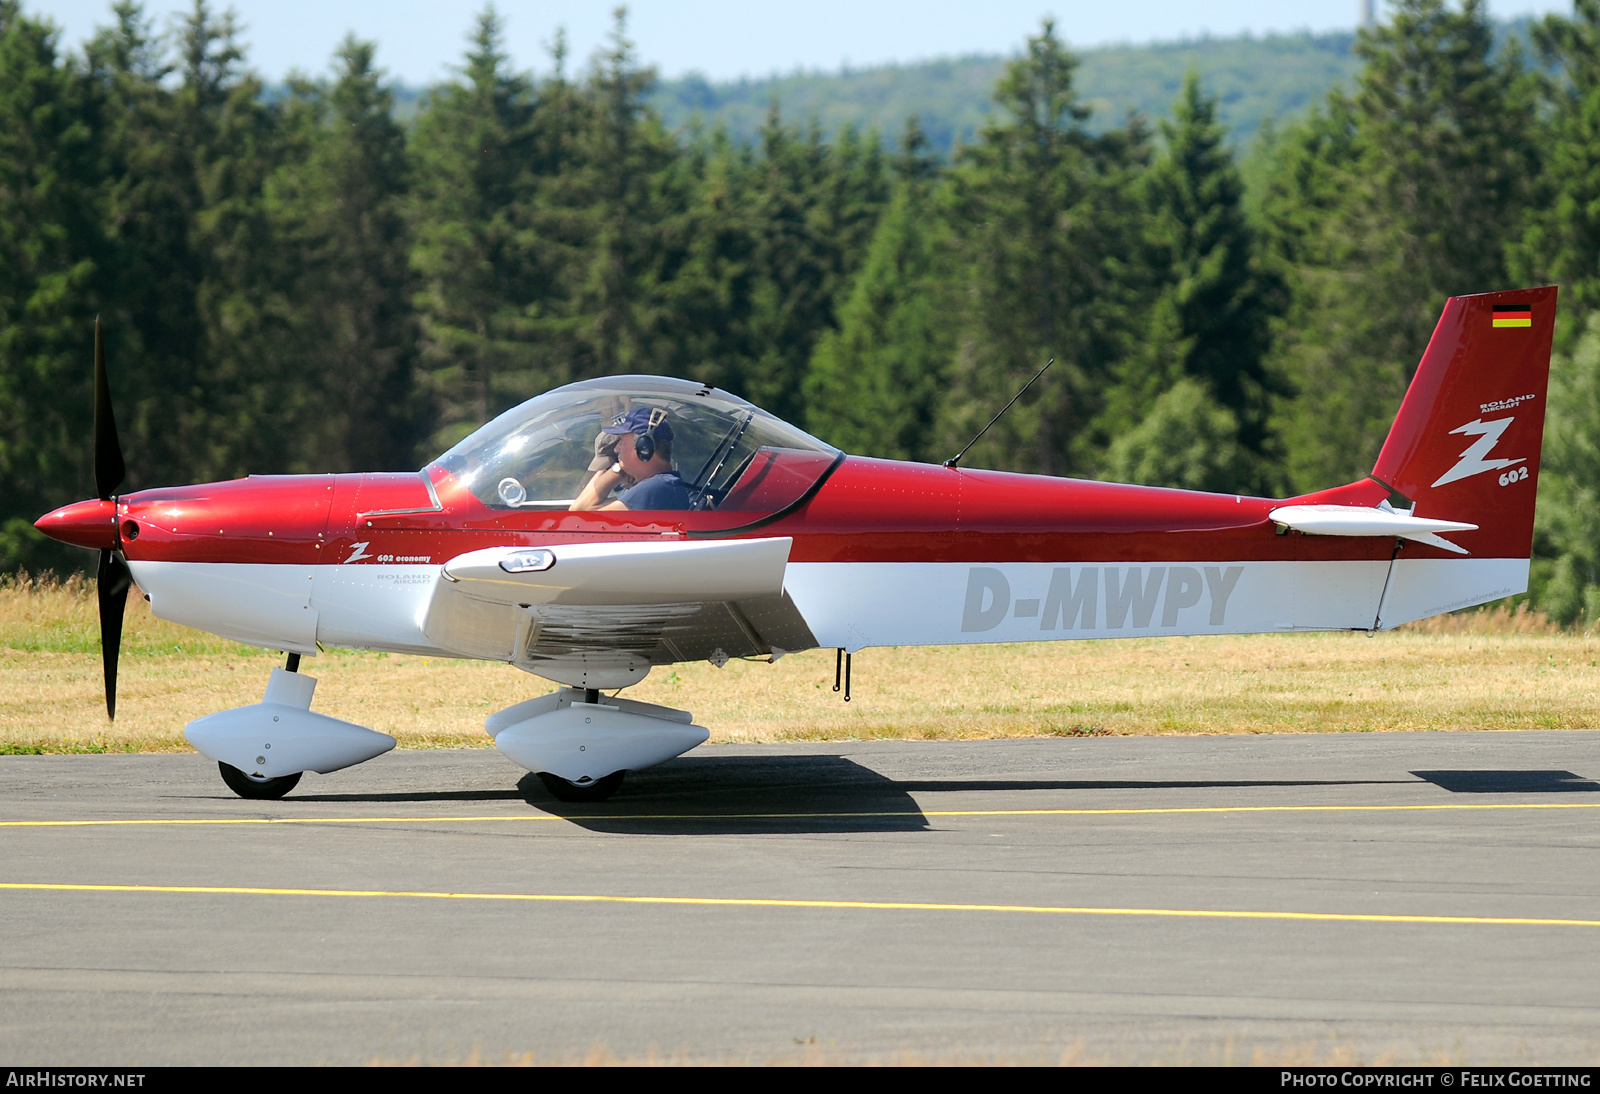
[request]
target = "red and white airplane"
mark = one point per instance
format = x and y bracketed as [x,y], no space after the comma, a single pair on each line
[777,542]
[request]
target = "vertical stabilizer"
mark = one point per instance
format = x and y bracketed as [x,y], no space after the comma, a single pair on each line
[1465,446]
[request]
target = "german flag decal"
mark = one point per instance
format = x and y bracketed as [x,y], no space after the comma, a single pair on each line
[1513,315]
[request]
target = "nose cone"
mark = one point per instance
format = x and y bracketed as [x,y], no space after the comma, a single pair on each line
[90,524]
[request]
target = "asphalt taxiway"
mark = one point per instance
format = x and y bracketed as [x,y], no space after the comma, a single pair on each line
[1403,897]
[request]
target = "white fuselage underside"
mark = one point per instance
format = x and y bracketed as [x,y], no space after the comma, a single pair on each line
[856,605]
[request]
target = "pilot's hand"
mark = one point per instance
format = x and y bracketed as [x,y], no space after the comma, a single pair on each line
[599,487]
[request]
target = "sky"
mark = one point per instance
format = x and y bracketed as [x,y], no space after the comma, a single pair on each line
[419,40]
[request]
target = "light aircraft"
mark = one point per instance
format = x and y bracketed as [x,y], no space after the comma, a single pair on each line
[777,542]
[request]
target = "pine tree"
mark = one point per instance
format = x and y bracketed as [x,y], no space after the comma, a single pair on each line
[853,193]
[876,384]
[793,267]
[242,409]
[48,238]
[1186,440]
[197,283]
[149,277]
[339,205]
[1210,321]
[1431,196]
[634,203]
[1306,167]
[1045,227]
[1562,242]
[474,146]
[1565,577]
[711,297]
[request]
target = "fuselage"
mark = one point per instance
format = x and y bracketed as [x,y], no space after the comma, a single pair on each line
[883,553]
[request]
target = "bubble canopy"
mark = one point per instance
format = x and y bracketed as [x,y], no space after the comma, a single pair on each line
[732,455]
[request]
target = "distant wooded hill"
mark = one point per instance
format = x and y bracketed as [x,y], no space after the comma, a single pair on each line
[1253,78]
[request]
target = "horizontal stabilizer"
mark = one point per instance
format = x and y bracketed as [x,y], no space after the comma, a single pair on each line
[1359,520]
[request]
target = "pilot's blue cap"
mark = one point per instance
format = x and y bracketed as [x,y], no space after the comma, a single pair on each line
[638,421]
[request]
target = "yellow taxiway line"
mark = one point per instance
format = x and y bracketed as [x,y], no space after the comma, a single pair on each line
[852,905]
[525,817]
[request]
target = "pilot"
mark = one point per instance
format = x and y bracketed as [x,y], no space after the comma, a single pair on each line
[644,454]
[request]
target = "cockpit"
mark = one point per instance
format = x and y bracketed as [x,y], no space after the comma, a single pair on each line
[730,455]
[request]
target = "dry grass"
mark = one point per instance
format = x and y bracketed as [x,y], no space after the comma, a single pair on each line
[1485,670]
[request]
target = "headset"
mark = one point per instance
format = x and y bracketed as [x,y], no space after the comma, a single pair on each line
[644,444]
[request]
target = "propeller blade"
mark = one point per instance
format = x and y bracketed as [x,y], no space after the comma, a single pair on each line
[109,470]
[114,579]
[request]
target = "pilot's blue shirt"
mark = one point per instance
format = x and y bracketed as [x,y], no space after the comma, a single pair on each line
[663,491]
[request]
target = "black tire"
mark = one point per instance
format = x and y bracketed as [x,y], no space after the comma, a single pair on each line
[257,789]
[597,791]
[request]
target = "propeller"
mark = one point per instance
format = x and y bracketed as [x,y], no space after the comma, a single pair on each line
[113,578]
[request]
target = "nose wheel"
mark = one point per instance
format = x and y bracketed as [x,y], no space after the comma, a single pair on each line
[258,789]
[596,791]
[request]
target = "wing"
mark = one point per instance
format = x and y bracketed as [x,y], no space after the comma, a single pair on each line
[600,614]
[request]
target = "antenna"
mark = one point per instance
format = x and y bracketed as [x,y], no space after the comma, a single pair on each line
[953,460]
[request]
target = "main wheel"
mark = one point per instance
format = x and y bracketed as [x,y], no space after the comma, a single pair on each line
[597,791]
[257,789]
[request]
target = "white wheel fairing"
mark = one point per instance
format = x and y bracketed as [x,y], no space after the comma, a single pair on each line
[281,736]
[583,742]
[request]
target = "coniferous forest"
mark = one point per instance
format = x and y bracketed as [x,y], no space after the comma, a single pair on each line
[294,280]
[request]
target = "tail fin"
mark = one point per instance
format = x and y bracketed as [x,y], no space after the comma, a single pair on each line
[1465,445]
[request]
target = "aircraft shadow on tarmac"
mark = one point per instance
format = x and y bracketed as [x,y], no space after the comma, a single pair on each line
[1509,782]
[745,794]
[740,794]
[697,794]
[828,793]
[791,794]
